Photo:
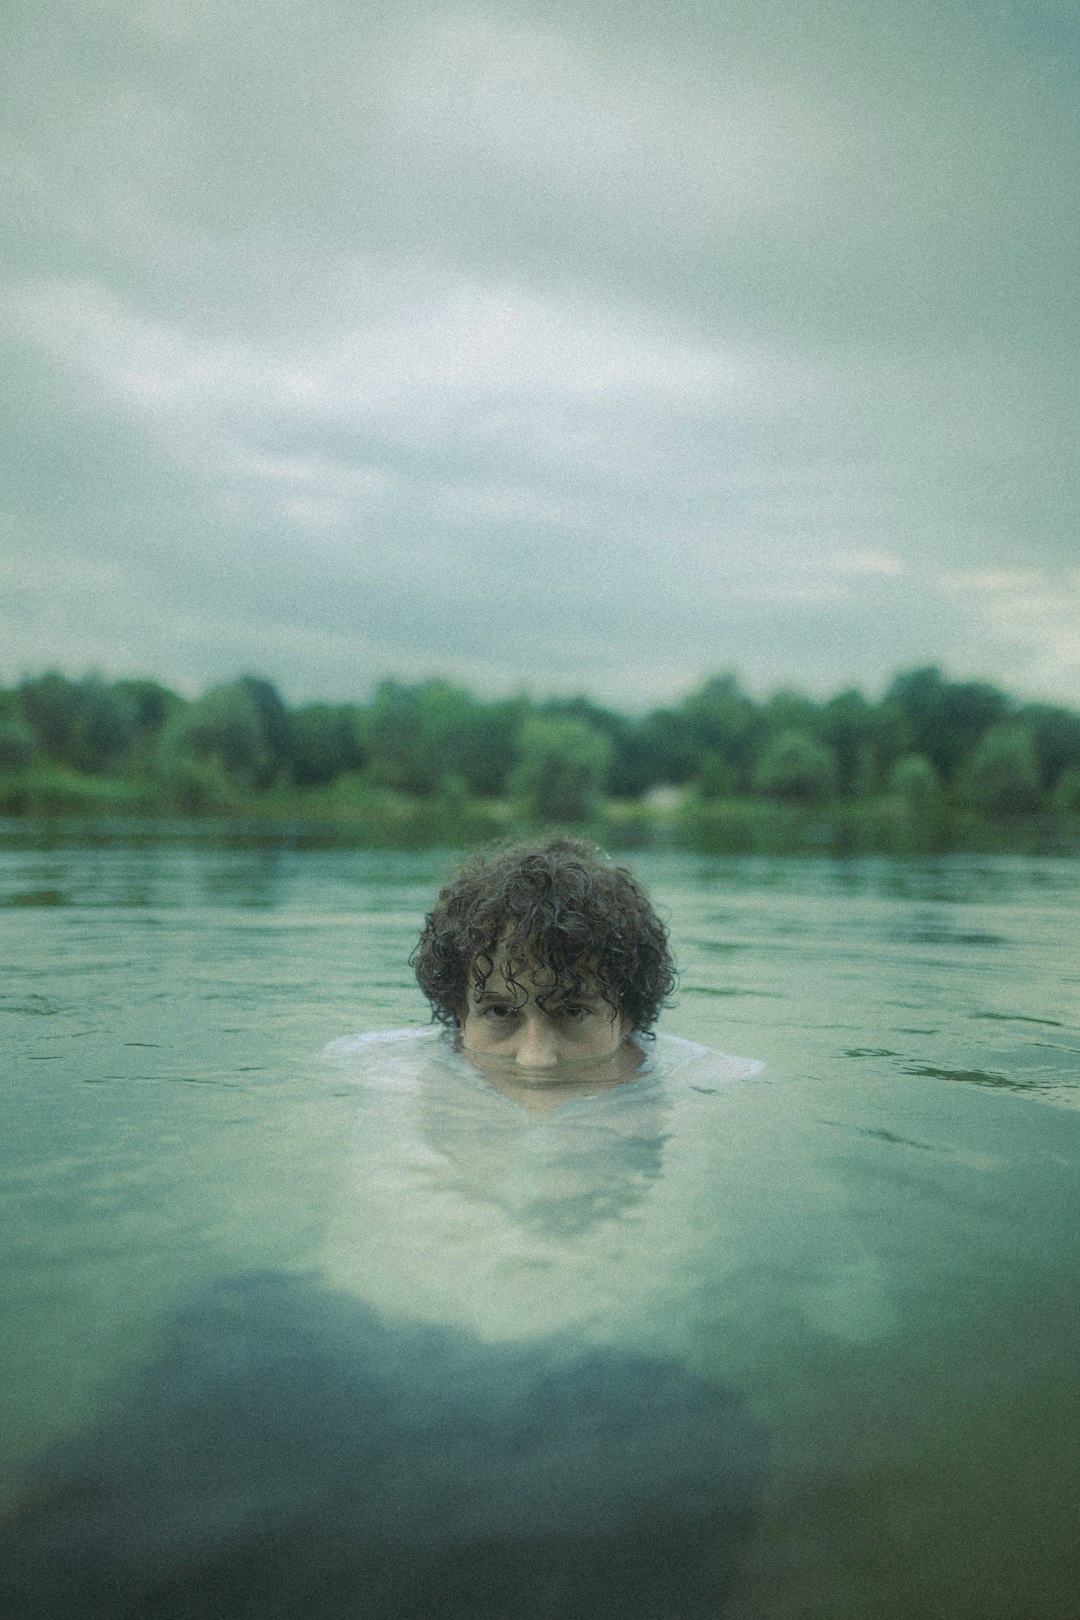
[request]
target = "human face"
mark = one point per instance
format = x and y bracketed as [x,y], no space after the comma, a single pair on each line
[506,1021]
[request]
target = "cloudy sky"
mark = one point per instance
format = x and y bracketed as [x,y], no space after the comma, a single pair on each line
[574,346]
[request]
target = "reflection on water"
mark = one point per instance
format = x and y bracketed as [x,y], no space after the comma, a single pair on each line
[1019,1018]
[287,1453]
[940,933]
[974,1077]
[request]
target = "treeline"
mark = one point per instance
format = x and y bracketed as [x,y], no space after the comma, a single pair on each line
[929,747]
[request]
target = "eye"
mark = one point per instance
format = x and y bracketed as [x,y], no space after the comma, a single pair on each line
[575,1013]
[498,1011]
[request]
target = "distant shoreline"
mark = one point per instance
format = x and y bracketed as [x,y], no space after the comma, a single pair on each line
[934,764]
[62,804]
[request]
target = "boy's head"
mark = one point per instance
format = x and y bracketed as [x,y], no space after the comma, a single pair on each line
[555,914]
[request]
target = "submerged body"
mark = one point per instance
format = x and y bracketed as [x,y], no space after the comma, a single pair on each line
[519,1203]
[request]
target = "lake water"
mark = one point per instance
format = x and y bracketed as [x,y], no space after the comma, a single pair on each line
[872,1245]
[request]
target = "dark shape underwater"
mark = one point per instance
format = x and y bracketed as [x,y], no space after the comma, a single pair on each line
[288,1453]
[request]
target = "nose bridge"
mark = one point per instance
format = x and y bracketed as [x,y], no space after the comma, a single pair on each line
[536,1046]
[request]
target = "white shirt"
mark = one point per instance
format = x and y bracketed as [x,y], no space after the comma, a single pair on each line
[464,1208]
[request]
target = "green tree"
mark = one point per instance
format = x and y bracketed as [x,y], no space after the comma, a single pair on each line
[638,761]
[563,765]
[1057,739]
[723,722]
[409,734]
[104,726]
[1065,800]
[18,745]
[789,711]
[946,718]
[611,725]
[665,749]
[275,725]
[50,704]
[1002,777]
[225,725]
[795,766]
[716,776]
[87,724]
[866,738]
[914,783]
[154,708]
[152,703]
[324,743]
[483,749]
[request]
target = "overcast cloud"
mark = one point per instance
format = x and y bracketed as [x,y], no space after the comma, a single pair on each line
[546,345]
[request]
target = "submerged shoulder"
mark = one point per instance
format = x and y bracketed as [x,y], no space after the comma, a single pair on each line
[347,1045]
[673,1052]
[388,1059]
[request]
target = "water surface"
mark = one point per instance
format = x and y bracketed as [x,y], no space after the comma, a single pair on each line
[873,1244]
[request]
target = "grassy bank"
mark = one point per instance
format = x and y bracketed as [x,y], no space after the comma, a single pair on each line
[353,811]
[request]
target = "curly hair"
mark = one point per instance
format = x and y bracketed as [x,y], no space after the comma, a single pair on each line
[557,908]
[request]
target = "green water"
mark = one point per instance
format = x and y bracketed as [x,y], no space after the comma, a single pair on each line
[875,1242]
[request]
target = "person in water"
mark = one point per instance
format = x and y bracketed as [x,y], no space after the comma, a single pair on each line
[545,957]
